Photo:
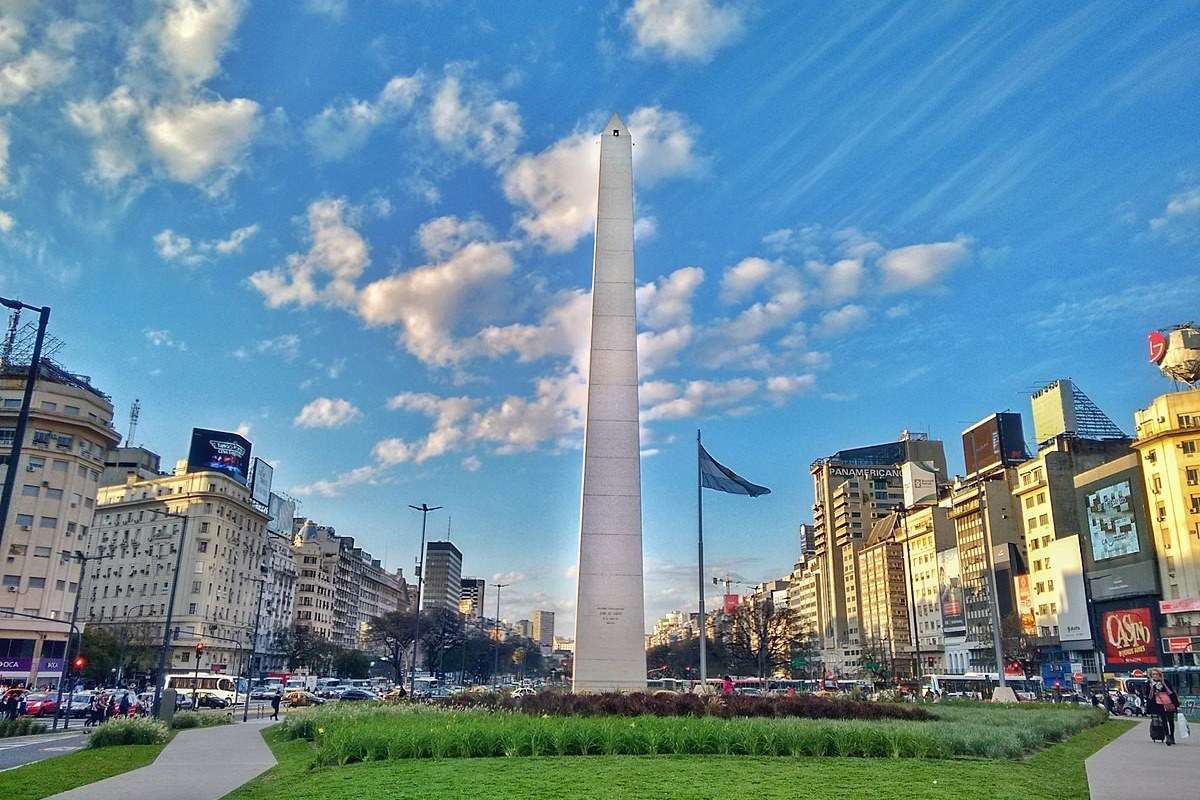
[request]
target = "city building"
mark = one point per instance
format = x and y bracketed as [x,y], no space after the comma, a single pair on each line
[1168,441]
[443,575]
[542,630]
[471,597]
[316,549]
[216,586]
[884,612]
[929,546]
[523,628]
[121,462]
[674,626]
[804,587]
[57,478]
[853,488]
[279,591]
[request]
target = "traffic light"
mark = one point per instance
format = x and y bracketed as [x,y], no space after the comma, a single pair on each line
[78,663]
[199,648]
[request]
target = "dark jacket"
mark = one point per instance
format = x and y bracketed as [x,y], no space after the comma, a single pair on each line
[1152,706]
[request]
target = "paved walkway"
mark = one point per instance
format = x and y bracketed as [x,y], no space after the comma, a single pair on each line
[1133,766]
[198,764]
[22,750]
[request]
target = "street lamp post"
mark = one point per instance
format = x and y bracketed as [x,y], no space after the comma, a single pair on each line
[161,679]
[496,665]
[35,364]
[82,559]
[262,582]
[424,508]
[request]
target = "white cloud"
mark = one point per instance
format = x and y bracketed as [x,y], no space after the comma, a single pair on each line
[840,320]
[340,130]
[243,429]
[668,401]
[921,264]
[1181,208]
[328,272]
[202,142]
[471,464]
[842,280]
[163,338]
[557,187]
[668,302]
[116,140]
[333,487]
[7,223]
[562,331]
[194,34]
[286,346]
[781,387]
[172,246]
[684,30]
[4,143]
[45,65]
[744,277]
[331,8]
[658,349]
[470,122]
[442,236]
[327,412]
[645,229]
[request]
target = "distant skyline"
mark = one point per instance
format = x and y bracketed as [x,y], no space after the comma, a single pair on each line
[361,235]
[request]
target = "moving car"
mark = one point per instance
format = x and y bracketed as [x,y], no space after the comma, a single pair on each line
[523,691]
[358,694]
[299,698]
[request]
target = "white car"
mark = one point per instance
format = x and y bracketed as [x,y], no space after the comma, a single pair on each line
[523,691]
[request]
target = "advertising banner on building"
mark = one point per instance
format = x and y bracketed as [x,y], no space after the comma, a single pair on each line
[731,603]
[920,483]
[1025,605]
[1111,522]
[997,439]
[1074,623]
[950,593]
[282,511]
[1183,605]
[221,451]
[1180,644]
[261,476]
[1129,636]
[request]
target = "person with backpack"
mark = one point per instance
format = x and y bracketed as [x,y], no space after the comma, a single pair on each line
[1162,704]
[276,699]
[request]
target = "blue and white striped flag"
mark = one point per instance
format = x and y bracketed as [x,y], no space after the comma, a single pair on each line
[723,479]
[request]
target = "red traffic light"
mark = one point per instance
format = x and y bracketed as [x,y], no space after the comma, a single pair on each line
[199,647]
[79,662]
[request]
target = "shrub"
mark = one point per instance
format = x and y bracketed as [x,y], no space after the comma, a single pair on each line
[192,719]
[129,730]
[636,704]
[21,726]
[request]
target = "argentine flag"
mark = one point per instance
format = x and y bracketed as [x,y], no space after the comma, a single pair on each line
[715,476]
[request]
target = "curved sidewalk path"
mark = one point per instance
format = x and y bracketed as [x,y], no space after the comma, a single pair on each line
[1132,766]
[198,764]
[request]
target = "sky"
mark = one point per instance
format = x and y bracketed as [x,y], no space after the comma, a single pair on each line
[360,233]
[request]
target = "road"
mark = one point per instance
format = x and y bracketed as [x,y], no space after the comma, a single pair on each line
[27,749]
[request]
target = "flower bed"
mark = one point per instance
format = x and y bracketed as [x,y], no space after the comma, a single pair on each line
[638,704]
[353,734]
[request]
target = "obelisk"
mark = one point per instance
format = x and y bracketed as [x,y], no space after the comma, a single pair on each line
[610,650]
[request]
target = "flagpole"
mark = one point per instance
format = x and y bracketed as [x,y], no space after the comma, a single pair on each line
[700,548]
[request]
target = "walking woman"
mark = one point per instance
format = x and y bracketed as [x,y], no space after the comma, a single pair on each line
[1162,702]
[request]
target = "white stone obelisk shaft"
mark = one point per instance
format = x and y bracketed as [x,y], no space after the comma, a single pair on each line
[610,651]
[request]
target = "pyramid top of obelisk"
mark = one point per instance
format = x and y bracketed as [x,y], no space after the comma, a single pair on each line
[615,123]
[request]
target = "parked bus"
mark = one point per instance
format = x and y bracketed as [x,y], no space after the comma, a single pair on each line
[981,684]
[222,686]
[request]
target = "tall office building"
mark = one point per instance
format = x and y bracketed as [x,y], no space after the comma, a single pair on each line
[69,432]
[930,553]
[852,489]
[543,628]
[443,575]
[885,631]
[471,597]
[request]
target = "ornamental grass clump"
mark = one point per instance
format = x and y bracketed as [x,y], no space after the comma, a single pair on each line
[192,719]
[128,730]
[21,726]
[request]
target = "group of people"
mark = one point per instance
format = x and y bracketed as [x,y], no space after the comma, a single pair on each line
[12,702]
[105,706]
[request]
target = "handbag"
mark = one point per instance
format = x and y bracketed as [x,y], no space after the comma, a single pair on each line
[1164,701]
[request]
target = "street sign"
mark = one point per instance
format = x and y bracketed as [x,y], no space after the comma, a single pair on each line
[1077,677]
[799,661]
[872,665]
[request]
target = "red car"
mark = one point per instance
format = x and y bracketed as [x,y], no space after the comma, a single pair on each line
[40,704]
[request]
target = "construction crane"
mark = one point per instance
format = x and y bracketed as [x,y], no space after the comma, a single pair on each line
[134,411]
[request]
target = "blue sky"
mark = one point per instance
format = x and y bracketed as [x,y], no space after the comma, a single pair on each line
[362,233]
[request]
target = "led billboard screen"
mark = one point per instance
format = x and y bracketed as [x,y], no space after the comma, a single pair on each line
[221,451]
[1111,522]
[998,439]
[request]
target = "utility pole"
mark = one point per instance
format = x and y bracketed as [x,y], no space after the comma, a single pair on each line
[35,364]
[496,665]
[82,559]
[424,508]
[262,583]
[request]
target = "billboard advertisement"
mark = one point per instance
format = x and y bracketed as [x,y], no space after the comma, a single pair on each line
[920,483]
[1183,605]
[731,604]
[1025,605]
[950,593]
[221,451]
[998,439]
[281,510]
[1112,583]
[261,476]
[1111,522]
[1073,619]
[1128,636]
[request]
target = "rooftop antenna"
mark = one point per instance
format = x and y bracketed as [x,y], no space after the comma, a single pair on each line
[134,411]
[14,319]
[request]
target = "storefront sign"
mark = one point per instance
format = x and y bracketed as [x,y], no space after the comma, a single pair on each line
[1180,644]
[1183,605]
[1128,636]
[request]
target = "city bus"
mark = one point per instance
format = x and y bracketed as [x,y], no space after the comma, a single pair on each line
[215,684]
[981,684]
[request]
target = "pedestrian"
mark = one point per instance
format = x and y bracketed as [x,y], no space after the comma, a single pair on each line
[276,699]
[1162,702]
[111,709]
[727,686]
[123,708]
[10,704]
[94,713]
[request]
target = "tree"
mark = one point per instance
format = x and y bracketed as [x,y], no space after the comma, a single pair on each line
[441,630]
[1020,645]
[878,660]
[759,638]
[120,648]
[304,648]
[392,635]
[681,658]
[351,664]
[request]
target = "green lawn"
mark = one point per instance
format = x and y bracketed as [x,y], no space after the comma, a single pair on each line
[54,775]
[1055,773]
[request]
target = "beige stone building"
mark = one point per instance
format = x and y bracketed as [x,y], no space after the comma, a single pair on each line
[884,614]
[224,548]
[68,434]
[926,531]
[1168,440]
